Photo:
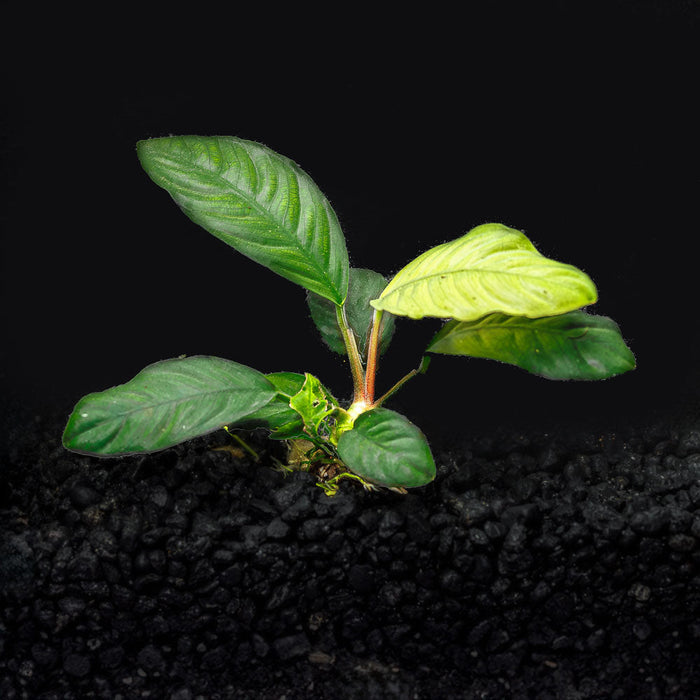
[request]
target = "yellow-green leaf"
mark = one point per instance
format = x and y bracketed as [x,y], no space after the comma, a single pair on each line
[491,269]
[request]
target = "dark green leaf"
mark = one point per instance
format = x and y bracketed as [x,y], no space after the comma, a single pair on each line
[386,448]
[576,345]
[364,286]
[259,202]
[165,404]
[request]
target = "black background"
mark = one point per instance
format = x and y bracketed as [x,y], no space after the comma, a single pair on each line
[574,122]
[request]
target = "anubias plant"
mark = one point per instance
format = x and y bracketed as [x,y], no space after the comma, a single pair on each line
[502,299]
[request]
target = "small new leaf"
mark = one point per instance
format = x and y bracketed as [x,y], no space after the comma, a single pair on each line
[278,416]
[314,404]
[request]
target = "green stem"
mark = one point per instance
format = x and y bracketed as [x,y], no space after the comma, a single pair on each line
[373,356]
[419,370]
[358,375]
[243,444]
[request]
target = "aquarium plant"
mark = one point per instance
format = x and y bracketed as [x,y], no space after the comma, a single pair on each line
[500,298]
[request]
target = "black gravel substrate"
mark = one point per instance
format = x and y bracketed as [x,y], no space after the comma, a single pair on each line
[551,566]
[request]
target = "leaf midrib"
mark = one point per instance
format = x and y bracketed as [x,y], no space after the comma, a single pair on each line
[576,346]
[175,402]
[250,199]
[544,330]
[427,277]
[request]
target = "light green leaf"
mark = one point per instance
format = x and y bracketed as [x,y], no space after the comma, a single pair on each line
[364,286]
[386,448]
[576,345]
[278,416]
[315,404]
[287,383]
[491,269]
[166,403]
[259,202]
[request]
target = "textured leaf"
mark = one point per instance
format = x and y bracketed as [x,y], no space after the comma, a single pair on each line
[576,345]
[491,269]
[364,286]
[165,404]
[278,416]
[259,202]
[386,448]
[313,403]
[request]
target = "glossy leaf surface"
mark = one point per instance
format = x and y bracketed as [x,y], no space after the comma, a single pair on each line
[491,269]
[259,202]
[166,403]
[576,345]
[386,448]
[364,286]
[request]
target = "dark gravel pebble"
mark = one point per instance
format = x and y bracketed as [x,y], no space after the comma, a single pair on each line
[82,495]
[76,665]
[291,647]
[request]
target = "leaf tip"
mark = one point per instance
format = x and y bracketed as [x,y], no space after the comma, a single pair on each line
[143,146]
[71,439]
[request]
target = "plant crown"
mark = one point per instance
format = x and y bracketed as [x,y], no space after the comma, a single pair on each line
[501,298]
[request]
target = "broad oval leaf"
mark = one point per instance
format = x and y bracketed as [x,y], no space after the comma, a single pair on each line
[576,345]
[166,403]
[386,448]
[278,416]
[491,269]
[259,202]
[364,286]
